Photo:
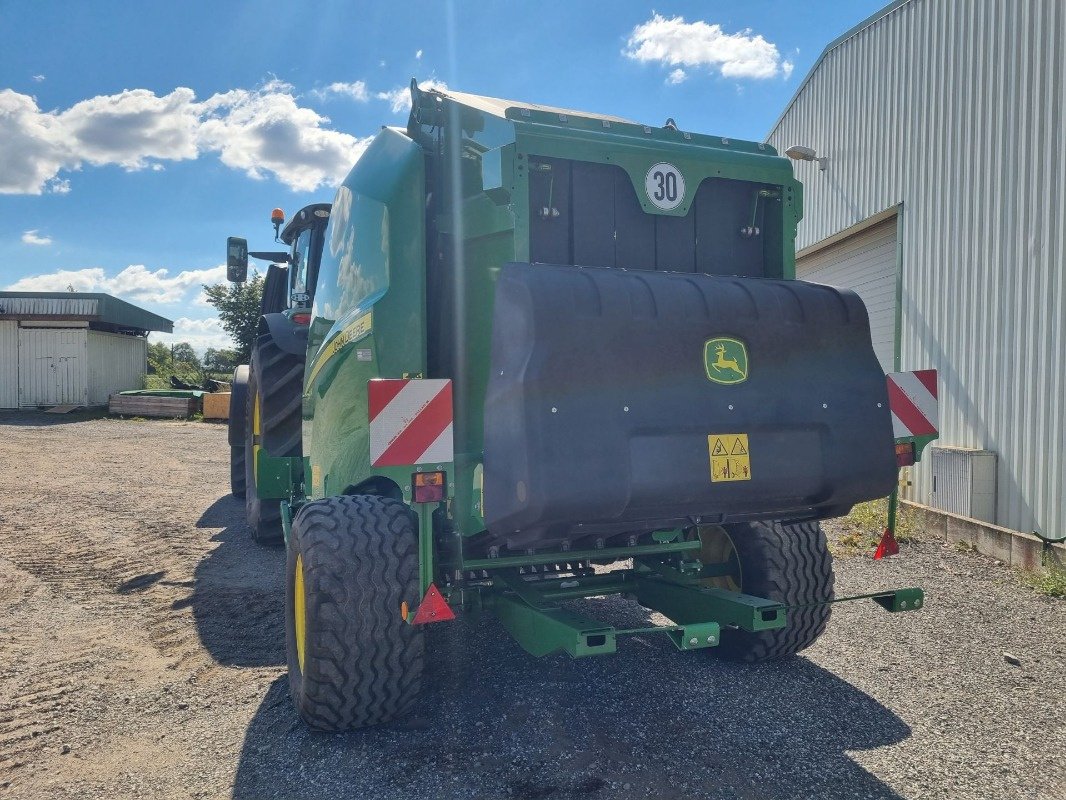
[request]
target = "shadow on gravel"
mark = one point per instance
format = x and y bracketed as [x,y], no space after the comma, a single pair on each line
[237,594]
[35,418]
[646,722]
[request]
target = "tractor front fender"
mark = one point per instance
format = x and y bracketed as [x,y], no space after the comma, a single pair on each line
[287,335]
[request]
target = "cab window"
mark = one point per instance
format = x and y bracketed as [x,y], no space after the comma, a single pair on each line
[301,256]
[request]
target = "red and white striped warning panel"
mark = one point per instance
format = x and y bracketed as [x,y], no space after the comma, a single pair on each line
[912,397]
[410,422]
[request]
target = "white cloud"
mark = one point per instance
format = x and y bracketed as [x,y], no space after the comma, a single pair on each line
[31,237]
[353,91]
[674,42]
[135,282]
[266,131]
[38,78]
[262,132]
[399,99]
[677,76]
[418,55]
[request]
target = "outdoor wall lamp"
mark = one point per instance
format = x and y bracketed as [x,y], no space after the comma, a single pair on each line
[800,153]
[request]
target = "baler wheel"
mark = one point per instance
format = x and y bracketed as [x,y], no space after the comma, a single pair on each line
[353,660]
[787,563]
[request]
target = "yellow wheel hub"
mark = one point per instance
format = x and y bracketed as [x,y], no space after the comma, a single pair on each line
[717,549]
[255,439]
[300,612]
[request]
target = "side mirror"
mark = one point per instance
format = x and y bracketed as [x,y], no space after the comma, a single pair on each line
[236,259]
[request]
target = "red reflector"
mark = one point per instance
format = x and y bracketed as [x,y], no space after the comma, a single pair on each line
[433,608]
[888,546]
[904,454]
[301,319]
[429,487]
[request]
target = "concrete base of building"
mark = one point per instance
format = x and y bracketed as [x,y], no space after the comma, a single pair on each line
[1021,550]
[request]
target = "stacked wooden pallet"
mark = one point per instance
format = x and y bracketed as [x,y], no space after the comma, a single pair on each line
[147,405]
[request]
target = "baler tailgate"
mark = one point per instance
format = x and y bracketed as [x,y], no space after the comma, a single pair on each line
[622,400]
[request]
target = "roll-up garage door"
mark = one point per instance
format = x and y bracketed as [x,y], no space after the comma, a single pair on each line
[866,263]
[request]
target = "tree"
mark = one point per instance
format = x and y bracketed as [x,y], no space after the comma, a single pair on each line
[159,359]
[238,306]
[220,361]
[183,355]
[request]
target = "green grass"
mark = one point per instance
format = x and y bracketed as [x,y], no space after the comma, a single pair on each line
[866,523]
[1052,583]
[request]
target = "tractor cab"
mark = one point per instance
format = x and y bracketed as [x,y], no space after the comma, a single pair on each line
[293,273]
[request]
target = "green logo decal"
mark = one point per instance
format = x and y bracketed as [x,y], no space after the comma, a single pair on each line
[725,360]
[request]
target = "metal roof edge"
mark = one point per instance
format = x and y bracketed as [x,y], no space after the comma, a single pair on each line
[874,18]
[115,309]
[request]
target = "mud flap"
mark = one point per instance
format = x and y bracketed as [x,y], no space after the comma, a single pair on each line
[622,401]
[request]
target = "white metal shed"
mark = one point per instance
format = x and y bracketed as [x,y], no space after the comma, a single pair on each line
[71,348]
[950,118]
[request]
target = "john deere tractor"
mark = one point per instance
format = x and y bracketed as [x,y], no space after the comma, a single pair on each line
[531,343]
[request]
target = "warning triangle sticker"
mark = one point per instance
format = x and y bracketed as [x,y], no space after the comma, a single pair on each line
[887,547]
[738,449]
[719,448]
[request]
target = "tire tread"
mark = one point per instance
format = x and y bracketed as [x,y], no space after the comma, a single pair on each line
[363,662]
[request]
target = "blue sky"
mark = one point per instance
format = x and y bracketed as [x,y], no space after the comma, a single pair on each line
[134,138]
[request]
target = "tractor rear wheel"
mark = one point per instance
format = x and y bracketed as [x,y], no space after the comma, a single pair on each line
[273,420]
[786,563]
[264,516]
[280,380]
[353,660]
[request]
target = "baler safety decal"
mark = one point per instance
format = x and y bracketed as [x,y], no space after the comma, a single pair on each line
[912,397]
[410,422]
[730,460]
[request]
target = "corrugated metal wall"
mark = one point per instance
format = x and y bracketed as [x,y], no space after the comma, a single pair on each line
[52,367]
[955,109]
[116,363]
[9,363]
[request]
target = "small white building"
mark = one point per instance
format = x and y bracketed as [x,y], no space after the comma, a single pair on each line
[71,348]
[935,190]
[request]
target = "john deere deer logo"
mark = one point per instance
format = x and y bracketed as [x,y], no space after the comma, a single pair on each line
[725,360]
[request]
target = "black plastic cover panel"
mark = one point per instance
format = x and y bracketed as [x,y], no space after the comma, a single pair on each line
[600,418]
[594,218]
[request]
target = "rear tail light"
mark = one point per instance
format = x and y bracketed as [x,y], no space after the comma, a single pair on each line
[904,454]
[429,487]
[301,319]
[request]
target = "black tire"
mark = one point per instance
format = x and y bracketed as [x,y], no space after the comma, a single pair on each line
[236,433]
[263,516]
[237,477]
[789,564]
[280,377]
[362,663]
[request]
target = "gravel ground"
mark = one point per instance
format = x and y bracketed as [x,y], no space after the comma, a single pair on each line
[141,655]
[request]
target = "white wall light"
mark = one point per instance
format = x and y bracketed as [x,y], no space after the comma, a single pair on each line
[800,153]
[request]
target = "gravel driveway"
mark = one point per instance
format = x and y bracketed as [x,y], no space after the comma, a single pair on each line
[141,655]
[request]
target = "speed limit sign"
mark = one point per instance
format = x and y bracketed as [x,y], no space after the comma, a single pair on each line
[665,186]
